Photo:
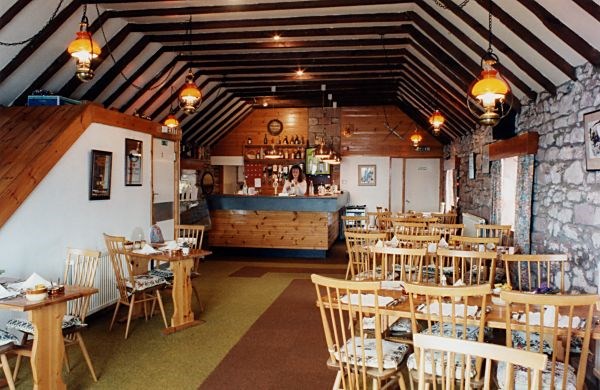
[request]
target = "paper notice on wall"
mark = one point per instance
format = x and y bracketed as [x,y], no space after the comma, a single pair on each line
[257,182]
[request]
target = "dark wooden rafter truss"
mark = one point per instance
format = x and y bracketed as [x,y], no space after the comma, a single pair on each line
[421,68]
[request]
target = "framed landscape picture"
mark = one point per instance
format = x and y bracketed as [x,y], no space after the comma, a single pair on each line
[367,175]
[592,140]
[101,169]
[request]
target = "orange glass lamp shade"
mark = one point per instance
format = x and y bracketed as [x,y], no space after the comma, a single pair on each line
[416,138]
[322,152]
[436,120]
[171,122]
[190,96]
[490,88]
[84,49]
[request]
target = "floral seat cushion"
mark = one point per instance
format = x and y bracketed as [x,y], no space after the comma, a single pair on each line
[472,331]
[352,352]
[459,365]
[27,327]
[146,281]
[402,326]
[7,337]
[520,375]
[161,272]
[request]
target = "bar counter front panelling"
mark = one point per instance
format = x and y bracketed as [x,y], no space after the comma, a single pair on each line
[306,225]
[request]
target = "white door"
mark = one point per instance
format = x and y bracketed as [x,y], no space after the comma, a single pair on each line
[396,184]
[163,187]
[422,192]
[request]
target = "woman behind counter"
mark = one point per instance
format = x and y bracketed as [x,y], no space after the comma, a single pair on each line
[295,184]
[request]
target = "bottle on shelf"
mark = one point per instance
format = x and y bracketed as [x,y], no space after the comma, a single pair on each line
[311,189]
[285,140]
[249,141]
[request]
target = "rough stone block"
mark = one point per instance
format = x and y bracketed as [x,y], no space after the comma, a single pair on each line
[585,214]
[574,173]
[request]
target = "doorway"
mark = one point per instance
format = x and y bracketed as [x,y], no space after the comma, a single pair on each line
[422,192]
[163,187]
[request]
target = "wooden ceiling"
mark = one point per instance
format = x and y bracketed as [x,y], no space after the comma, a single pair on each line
[417,55]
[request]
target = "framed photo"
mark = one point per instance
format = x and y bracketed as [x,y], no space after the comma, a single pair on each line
[314,166]
[592,140]
[367,175]
[471,165]
[101,170]
[133,162]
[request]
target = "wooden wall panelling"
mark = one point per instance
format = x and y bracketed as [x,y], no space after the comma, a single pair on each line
[370,136]
[519,145]
[295,122]
[272,229]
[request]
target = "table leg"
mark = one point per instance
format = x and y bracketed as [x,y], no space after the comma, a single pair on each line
[48,350]
[183,316]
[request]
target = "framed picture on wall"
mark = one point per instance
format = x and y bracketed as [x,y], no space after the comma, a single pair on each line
[592,140]
[471,165]
[101,169]
[133,162]
[367,175]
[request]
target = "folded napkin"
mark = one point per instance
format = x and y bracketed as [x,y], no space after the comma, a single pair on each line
[189,240]
[549,312]
[394,241]
[391,285]
[366,300]
[146,250]
[171,245]
[4,293]
[391,244]
[34,280]
[432,247]
[443,243]
[490,246]
[379,244]
[459,309]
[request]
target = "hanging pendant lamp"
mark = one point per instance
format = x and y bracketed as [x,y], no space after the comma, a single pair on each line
[84,49]
[490,89]
[416,138]
[190,96]
[171,122]
[436,120]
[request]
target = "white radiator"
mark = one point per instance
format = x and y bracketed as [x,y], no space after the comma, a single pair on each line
[106,285]
[470,220]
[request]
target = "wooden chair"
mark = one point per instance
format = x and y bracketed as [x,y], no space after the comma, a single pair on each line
[388,262]
[355,223]
[474,243]
[410,228]
[446,229]
[133,289]
[472,267]
[503,232]
[7,345]
[528,272]
[357,245]
[80,270]
[411,241]
[193,235]
[454,312]
[445,218]
[361,357]
[564,317]
[448,351]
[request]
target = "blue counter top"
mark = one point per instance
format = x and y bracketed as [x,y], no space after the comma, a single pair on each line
[278,203]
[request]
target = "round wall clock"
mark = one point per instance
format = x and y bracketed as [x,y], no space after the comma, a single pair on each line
[275,127]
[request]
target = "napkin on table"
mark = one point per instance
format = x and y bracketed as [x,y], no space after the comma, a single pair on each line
[4,293]
[549,312]
[379,244]
[432,247]
[459,309]
[443,243]
[366,300]
[171,245]
[31,282]
[146,250]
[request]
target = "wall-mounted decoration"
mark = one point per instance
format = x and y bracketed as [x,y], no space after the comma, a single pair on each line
[592,140]
[315,166]
[133,162]
[485,159]
[101,170]
[471,165]
[367,175]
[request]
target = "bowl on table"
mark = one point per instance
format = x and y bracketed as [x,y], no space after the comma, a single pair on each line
[36,294]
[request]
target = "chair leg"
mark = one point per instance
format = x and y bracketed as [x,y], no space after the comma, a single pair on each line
[17,367]
[7,374]
[401,382]
[86,356]
[129,314]
[338,380]
[161,307]
[198,298]
[114,317]
[67,363]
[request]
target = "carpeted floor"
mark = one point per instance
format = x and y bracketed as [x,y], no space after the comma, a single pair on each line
[283,349]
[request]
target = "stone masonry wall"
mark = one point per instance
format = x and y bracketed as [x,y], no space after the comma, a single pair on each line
[566,197]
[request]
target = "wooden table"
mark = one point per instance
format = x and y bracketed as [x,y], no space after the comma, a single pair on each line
[181,265]
[48,351]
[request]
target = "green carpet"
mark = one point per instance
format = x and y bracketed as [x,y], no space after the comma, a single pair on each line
[149,360]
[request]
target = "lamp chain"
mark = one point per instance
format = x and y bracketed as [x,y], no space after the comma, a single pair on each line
[134,85]
[490,27]
[442,5]
[34,35]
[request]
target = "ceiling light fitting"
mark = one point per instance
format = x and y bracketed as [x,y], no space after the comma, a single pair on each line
[490,90]
[171,122]
[84,49]
[190,96]
[416,138]
[436,120]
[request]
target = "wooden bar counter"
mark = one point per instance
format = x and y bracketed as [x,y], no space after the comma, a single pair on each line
[298,225]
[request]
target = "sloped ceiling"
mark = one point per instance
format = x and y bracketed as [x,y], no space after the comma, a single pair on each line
[417,54]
